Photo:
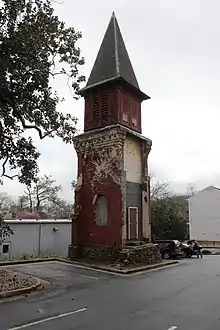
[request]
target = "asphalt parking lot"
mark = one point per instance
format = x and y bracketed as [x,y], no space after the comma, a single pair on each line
[184,297]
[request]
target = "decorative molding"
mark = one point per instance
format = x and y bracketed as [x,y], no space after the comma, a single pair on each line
[103,139]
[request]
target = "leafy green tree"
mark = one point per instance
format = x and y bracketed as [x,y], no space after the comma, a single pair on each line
[5,230]
[35,48]
[168,213]
[168,221]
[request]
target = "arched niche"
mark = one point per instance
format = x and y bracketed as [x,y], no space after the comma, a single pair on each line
[101,211]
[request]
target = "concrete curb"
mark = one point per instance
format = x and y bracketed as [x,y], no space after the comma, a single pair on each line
[93,266]
[151,267]
[22,291]
[29,261]
[121,271]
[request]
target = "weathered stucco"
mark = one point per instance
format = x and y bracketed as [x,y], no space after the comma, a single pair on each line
[100,174]
[132,159]
[123,189]
[146,225]
[106,159]
[136,151]
[79,182]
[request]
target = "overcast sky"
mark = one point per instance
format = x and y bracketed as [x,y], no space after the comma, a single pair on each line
[174,47]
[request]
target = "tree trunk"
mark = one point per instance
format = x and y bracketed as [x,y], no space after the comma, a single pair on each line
[38,204]
[38,200]
[30,200]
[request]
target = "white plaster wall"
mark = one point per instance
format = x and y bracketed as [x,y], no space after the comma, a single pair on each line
[132,159]
[55,242]
[24,240]
[204,215]
[28,238]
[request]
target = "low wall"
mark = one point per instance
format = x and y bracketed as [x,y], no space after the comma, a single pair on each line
[147,254]
[36,238]
[141,255]
[210,244]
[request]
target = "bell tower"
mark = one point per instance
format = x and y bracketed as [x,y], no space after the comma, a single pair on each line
[112,94]
[112,192]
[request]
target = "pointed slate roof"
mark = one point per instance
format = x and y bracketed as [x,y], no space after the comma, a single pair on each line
[112,61]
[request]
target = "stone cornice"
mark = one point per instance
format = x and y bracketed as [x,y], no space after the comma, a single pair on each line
[99,139]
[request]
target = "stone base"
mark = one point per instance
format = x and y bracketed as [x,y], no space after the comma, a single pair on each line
[147,254]
[74,252]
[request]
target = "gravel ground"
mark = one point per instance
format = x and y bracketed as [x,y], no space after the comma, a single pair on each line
[12,281]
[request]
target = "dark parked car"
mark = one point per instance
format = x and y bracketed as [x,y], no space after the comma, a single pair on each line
[170,248]
[187,250]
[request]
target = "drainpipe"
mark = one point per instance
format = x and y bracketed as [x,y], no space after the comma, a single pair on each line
[39,239]
[149,209]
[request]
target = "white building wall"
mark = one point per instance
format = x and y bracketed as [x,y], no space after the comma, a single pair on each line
[38,238]
[204,215]
[55,242]
[132,159]
[24,240]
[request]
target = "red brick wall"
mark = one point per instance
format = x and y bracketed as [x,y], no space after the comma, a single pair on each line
[131,106]
[88,232]
[120,102]
[101,164]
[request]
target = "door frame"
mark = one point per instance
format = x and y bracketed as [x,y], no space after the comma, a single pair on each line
[8,255]
[129,221]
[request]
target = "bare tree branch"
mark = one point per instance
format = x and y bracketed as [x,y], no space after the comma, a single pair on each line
[159,189]
[11,177]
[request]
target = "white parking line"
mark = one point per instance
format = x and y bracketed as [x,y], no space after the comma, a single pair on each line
[91,277]
[48,319]
[174,327]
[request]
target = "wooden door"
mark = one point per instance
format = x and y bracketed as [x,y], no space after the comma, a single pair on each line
[133,222]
